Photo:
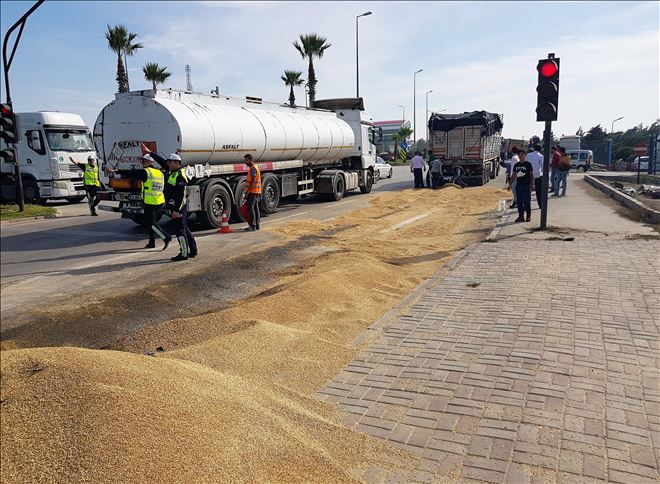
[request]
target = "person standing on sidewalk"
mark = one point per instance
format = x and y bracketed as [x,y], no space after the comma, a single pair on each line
[554,166]
[510,163]
[536,160]
[253,189]
[523,176]
[153,184]
[91,182]
[417,169]
[564,169]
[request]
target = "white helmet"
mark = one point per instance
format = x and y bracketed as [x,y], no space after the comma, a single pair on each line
[174,157]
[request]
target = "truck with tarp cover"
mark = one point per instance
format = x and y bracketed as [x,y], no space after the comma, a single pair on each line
[468,143]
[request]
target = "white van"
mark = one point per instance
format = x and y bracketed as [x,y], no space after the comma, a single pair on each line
[581,159]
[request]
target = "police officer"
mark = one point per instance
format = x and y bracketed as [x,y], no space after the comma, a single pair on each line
[91,182]
[153,184]
[253,189]
[175,202]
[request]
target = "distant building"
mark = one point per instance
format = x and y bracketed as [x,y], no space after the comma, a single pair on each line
[389,128]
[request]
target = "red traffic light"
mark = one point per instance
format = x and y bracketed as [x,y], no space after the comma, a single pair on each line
[548,68]
[6,110]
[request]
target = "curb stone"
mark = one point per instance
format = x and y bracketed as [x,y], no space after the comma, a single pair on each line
[58,214]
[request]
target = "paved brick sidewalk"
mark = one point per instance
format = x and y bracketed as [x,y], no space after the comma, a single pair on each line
[530,361]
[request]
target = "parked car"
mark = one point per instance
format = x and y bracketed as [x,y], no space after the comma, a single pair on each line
[581,159]
[383,169]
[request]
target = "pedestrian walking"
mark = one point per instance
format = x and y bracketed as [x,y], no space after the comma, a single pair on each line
[554,166]
[417,169]
[91,182]
[512,182]
[564,170]
[153,198]
[523,175]
[436,172]
[536,160]
[253,189]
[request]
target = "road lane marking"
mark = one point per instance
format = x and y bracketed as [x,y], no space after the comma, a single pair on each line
[336,204]
[283,218]
[409,221]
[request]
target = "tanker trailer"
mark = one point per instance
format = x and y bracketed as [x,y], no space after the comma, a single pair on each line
[328,150]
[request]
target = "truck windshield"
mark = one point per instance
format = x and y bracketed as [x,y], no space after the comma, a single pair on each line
[69,140]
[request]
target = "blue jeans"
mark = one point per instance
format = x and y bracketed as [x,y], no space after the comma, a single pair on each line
[554,180]
[524,199]
[562,180]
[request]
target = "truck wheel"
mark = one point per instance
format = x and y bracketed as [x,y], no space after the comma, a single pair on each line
[369,183]
[339,187]
[74,199]
[270,194]
[216,201]
[240,196]
[31,192]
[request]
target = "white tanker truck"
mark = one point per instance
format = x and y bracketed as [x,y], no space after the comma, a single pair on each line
[327,150]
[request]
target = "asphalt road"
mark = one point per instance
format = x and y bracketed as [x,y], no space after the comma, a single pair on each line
[50,260]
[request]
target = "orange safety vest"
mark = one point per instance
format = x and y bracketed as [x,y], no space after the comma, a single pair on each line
[254,181]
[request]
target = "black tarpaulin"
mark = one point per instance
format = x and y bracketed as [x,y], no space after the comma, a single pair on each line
[491,122]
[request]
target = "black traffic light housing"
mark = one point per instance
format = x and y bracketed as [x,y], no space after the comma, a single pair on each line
[547,104]
[9,131]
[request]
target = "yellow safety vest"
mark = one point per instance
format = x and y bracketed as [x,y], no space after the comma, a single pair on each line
[91,176]
[172,181]
[152,189]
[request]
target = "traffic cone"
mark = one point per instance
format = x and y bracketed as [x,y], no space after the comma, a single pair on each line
[224,225]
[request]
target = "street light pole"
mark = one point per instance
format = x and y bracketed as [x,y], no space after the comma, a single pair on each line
[357,54]
[403,114]
[415,107]
[427,116]
[611,142]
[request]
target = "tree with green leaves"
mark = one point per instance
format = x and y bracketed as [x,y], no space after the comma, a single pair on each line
[310,47]
[292,79]
[155,74]
[399,137]
[122,43]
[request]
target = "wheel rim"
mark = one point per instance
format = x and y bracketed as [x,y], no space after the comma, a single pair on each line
[340,186]
[269,196]
[218,206]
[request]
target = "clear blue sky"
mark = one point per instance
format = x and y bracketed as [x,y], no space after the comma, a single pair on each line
[475,55]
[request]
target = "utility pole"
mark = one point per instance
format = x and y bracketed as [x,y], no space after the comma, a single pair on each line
[357,54]
[189,87]
[6,64]
[415,108]
[426,120]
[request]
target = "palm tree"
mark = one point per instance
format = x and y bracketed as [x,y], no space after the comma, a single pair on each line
[155,74]
[292,79]
[121,42]
[311,46]
[130,48]
[399,137]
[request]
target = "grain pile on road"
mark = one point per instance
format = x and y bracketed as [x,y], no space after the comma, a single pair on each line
[231,397]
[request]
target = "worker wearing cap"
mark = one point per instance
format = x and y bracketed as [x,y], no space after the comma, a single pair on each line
[153,184]
[176,181]
[91,182]
[253,189]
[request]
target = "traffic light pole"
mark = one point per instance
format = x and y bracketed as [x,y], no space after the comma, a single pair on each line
[546,174]
[6,64]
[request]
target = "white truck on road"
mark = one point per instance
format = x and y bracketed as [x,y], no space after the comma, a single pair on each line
[327,150]
[46,141]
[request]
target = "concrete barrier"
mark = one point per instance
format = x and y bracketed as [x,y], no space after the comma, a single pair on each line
[647,213]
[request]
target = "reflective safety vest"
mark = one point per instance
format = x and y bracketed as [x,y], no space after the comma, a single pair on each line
[152,189]
[91,176]
[254,181]
[171,180]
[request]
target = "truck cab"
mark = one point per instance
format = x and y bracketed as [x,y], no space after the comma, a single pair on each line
[46,142]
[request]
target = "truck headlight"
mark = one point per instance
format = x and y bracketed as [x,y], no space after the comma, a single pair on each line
[61,184]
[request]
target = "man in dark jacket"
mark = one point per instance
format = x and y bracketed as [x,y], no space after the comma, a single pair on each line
[153,184]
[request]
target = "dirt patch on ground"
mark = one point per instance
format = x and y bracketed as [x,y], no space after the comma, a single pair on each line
[231,395]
